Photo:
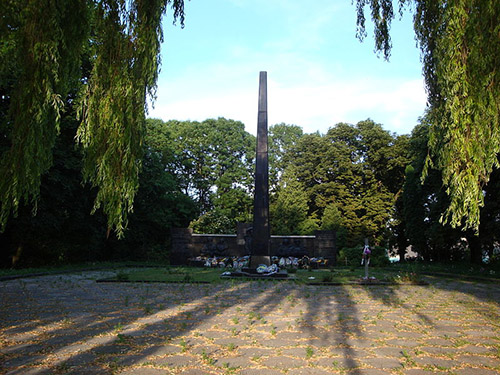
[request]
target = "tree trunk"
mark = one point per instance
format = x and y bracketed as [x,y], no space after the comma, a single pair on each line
[474,243]
[402,253]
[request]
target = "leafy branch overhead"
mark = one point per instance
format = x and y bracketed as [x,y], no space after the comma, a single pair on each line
[46,47]
[460,51]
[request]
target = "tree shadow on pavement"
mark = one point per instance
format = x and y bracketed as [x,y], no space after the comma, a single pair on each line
[50,325]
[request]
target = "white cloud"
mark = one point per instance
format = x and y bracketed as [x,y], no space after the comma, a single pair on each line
[306,86]
[313,107]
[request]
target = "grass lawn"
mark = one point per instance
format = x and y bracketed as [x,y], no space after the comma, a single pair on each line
[338,275]
[69,268]
[171,274]
[394,273]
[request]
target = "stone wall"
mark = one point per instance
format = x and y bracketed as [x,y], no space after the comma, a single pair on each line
[186,245]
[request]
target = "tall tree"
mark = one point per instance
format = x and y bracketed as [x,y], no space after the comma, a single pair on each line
[42,42]
[63,230]
[460,50]
[290,210]
[424,203]
[354,169]
[282,138]
[213,163]
[159,206]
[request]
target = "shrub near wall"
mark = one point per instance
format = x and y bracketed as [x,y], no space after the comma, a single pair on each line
[351,256]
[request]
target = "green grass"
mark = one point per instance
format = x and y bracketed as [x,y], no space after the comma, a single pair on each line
[340,275]
[455,270]
[66,268]
[401,273]
[174,275]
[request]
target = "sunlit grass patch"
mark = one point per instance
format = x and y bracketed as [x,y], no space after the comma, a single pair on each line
[335,276]
[172,275]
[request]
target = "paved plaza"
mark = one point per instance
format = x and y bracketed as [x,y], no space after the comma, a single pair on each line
[70,324]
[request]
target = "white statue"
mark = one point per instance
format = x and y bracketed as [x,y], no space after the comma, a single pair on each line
[366,259]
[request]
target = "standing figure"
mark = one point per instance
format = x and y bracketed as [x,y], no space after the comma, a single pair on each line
[366,259]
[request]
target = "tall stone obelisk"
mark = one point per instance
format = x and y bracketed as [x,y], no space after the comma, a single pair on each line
[260,231]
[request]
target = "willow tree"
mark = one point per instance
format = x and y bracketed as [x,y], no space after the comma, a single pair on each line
[41,48]
[460,52]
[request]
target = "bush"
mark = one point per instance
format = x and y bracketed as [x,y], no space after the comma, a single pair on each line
[352,256]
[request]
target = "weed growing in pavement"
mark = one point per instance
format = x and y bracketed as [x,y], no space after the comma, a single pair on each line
[184,345]
[418,352]
[206,358]
[256,358]
[309,352]
[122,339]
[408,360]
[228,369]
[457,342]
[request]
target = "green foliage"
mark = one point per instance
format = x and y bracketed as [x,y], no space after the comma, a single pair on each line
[460,52]
[63,231]
[352,256]
[113,103]
[213,163]
[282,138]
[423,205]
[465,97]
[332,218]
[351,177]
[289,211]
[215,222]
[309,226]
[159,206]
[42,45]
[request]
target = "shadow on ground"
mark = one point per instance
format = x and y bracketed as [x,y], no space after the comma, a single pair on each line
[73,325]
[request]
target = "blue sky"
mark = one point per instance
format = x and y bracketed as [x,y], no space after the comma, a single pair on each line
[319,74]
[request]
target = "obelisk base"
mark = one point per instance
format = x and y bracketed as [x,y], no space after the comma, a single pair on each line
[257,260]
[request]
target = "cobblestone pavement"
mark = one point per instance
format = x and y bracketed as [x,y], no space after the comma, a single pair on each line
[70,324]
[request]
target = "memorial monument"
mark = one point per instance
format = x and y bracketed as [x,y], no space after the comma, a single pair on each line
[254,240]
[260,229]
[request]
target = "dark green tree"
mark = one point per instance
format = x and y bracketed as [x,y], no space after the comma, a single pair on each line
[397,225]
[290,211]
[159,206]
[332,220]
[490,221]
[42,44]
[358,170]
[213,163]
[63,230]
[460,51]
[423,205]
[282,138]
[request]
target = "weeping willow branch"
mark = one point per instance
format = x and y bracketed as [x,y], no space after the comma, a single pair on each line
[460,51]
[45,61]
[124,38]
[113,104]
